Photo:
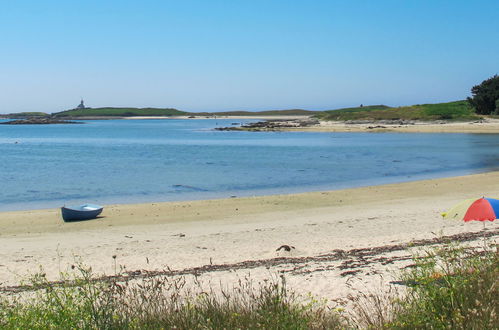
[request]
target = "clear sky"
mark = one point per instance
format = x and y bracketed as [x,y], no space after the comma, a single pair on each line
[246,55]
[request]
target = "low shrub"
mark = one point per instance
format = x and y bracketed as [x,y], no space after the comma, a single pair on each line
[160,303]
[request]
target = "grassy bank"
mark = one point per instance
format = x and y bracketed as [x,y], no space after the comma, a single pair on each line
[291,112]
[159,303]
[25,115]
[458,110]
[120,112]
[448,287]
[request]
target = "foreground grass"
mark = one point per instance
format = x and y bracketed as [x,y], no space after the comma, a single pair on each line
[162,304]
[453,288]
[449,287]
[458,110]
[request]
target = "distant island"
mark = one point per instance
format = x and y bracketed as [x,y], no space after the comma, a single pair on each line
[119,112]
[39,121]
[457,110]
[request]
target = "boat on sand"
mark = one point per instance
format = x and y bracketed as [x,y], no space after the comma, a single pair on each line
[81,212]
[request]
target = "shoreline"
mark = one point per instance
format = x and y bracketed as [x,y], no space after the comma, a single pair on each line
[220,196]
[183,236]
[491,126]
[14,222]
[488,126]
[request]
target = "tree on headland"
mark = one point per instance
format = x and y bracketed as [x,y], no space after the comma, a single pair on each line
[485,97]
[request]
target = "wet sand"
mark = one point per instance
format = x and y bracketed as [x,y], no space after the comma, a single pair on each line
[231,238]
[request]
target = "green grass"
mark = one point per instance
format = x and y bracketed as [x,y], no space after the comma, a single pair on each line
[458,110]
[127,112]
[453,288]
[120,112]
[26,114]
[160,303]
[450,287]
[291,112]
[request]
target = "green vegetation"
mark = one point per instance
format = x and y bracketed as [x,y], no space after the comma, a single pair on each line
[458,110]
[453,288]
[128,112]
[26,114]
[291,112]
[120,112]
[160,304]
[485,97]
[448,287]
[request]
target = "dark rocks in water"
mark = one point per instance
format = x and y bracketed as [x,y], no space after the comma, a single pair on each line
[186,187]
[39,121]
[270,125]
[377,126]
[285,248]
[228,129]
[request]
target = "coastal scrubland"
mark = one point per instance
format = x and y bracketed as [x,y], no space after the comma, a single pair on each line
[447,287]
[26,115]
[290,112]
[458,110]
[120,112]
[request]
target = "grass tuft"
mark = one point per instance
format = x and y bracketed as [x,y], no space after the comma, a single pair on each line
[448,287]
[161,303]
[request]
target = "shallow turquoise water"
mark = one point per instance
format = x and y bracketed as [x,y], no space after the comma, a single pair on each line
[124,161]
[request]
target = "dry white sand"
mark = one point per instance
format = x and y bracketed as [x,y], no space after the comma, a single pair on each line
[227,232]
[489,126]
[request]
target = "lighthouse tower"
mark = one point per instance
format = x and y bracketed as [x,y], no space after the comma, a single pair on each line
[81,105]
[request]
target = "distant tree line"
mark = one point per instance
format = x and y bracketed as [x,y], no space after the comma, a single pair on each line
[485,97]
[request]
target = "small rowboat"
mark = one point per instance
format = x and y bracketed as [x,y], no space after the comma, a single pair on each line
[81,212]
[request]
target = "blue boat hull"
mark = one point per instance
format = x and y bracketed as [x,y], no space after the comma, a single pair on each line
[83,212]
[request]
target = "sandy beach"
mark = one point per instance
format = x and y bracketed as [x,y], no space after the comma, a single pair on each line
[490,126]
[487,126]
[220,241]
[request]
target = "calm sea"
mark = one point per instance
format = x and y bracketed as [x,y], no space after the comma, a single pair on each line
[126,161]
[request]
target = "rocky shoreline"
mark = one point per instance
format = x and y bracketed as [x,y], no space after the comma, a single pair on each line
[279,124]
[275,124]
[488,125]
[39,121]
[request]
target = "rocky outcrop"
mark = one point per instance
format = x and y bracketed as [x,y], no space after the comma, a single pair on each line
[39,121]
[270,125]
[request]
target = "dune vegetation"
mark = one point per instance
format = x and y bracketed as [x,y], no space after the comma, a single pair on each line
[448,287]
[458,110]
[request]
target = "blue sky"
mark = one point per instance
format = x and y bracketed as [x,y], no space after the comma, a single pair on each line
[245,55]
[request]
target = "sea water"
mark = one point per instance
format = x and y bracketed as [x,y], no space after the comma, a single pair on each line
[128,161]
